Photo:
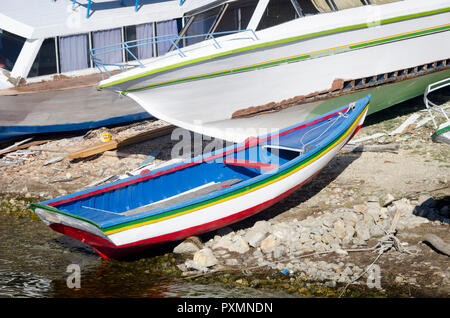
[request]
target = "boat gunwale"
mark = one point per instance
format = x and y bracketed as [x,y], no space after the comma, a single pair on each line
[321,146]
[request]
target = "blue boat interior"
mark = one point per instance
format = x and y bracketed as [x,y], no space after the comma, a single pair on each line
[184,184]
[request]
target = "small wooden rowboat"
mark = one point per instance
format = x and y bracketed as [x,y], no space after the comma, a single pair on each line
[203,193]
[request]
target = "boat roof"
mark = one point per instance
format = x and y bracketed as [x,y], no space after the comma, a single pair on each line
[48,18]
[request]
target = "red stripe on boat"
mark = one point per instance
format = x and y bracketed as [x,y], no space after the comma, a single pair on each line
[250,164]
[107,249]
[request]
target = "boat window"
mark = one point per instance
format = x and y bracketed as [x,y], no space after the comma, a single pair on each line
[144,32]
[383,1]
[346,4]
[237,16]
[202,24]
[113,38]
[45,62]
[130,35]
[321,5]
[10,47]
[164,30]
[73,52]
[277,12]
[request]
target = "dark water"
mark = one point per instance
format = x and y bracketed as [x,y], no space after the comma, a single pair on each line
[34,260]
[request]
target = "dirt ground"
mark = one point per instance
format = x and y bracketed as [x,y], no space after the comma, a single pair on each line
[419,170]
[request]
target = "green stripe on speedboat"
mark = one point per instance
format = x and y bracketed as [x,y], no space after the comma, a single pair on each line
[283,41]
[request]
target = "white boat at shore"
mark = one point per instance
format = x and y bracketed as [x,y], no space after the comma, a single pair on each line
[241,66]
[47,78]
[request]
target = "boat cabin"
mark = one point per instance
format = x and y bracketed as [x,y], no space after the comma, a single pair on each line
[58,41]
[258,14]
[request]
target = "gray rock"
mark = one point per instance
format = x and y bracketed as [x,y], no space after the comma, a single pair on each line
[349,233]
[186,248]
[339,229]
[350,217]
[262,226]
[268,244]
[232,262]
[205,258]
[388,200]
[190,264]
[239,245]
[328,222]
[362,231]
[277,253]
[254,237]
[233,244]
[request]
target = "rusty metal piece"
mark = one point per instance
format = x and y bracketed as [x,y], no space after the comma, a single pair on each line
[341,87]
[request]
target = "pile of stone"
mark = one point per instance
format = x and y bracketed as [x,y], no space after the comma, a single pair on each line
[282,246]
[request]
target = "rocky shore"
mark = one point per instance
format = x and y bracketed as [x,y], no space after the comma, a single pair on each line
[365,209]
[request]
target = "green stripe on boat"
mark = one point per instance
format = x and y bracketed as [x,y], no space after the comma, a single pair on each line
[283,41]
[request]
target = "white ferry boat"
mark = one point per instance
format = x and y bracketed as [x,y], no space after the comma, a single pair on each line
[47,78]
[240,66]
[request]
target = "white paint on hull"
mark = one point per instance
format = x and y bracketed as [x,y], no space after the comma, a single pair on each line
[228,207]
[206,106]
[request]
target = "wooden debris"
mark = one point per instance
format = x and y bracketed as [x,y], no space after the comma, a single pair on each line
[95,183]
[26,145]
[374,136]
[423,122]
[114,144]
[65,179]
[53,160]
[437,243]
[15,146]
[149,159]
[411,120]
[372,148]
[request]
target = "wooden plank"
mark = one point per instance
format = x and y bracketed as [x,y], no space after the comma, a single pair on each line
[409,121]
[23,145]
[114,144]
[15,146]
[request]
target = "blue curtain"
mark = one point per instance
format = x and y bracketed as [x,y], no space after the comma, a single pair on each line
[73,52]
[109,37]
[165,28]
[145,31]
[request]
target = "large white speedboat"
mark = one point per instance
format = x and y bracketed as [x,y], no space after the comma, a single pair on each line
[245,65]
[47,78]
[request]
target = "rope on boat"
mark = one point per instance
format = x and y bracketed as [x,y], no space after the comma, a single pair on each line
[340,114]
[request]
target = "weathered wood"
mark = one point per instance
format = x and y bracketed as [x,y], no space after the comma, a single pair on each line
[409,121]
[16,146]
[114,153]
[372,148]
[53,160]
[114,144]
[437,243]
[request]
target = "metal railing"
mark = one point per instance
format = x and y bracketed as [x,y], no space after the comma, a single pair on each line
[122,2]
[432,106]
[128,47]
